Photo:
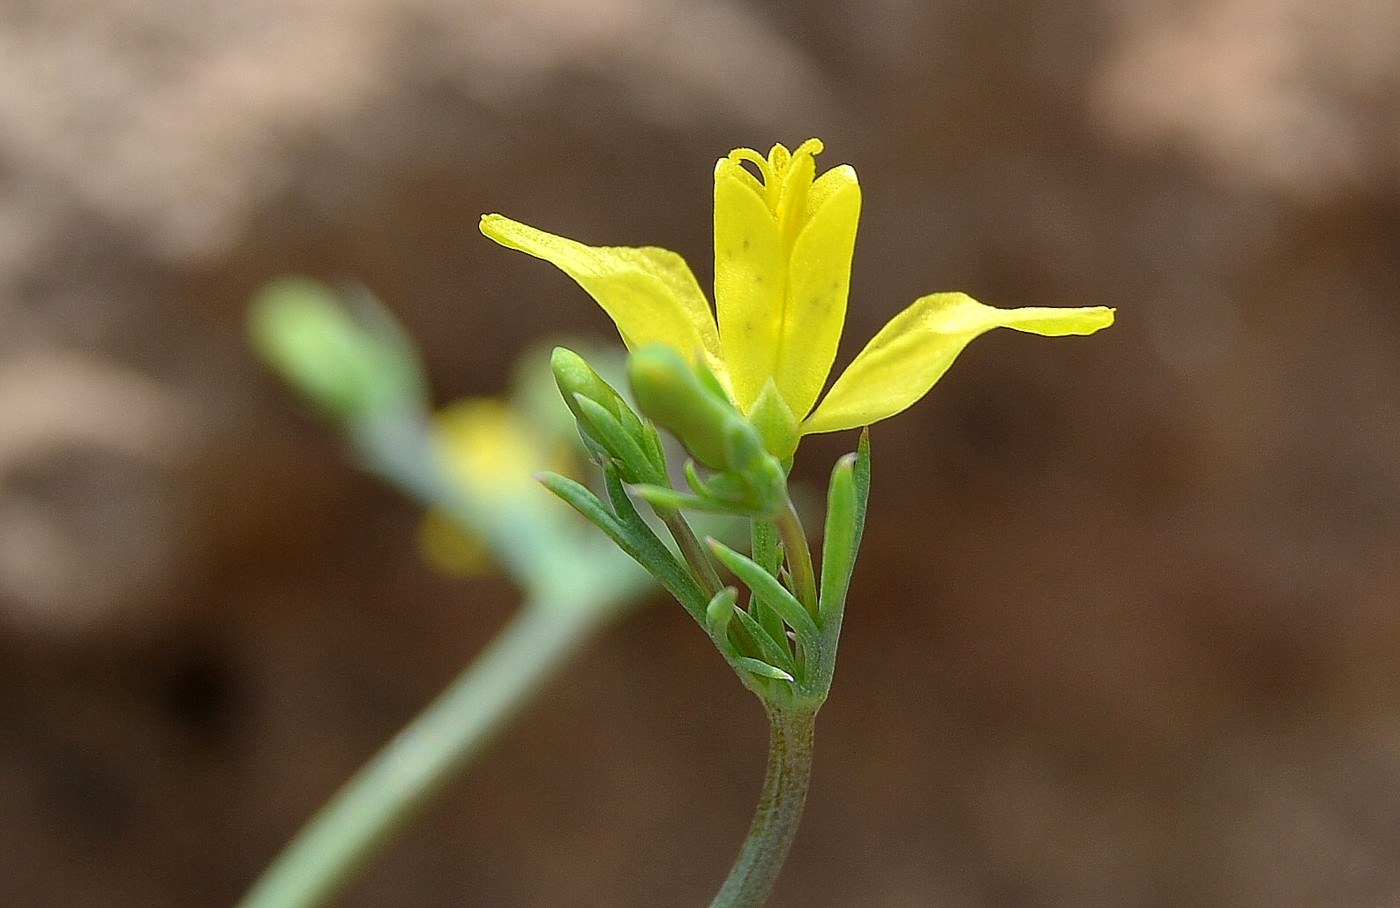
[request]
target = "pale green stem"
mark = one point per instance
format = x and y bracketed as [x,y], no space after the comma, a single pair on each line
[427,755]
[799,557]
[779,810]
[702,567]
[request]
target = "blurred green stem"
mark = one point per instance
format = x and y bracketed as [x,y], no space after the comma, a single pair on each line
[779,809]
[388,791]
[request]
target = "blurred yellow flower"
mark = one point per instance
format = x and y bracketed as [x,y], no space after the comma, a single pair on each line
[784,238]
[490,454]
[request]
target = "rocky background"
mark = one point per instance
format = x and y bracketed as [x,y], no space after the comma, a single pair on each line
[1126,632]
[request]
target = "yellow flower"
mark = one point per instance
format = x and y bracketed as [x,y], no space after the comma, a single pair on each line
[783,244]
[489,453]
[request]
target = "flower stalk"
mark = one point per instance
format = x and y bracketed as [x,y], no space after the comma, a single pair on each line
[799,557]
[432,751]
[779,812]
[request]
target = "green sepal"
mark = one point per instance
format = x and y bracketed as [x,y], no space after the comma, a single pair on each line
[729,488]
[775,422]
[772,592]
[710,381]
[605,419]
[762,474]
[573,375]
[656,451]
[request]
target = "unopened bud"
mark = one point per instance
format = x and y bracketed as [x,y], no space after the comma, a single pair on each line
[348,370]
[606,420]
[670,392]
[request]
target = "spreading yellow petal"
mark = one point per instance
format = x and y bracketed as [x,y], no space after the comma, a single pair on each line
[784,239]
[650,293]
[903,361]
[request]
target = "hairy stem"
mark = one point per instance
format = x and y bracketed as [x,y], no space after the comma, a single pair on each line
[398,781]
[779,810]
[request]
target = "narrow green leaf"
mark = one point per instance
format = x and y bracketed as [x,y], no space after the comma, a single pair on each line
[862,477]
[654,554]
[651,553]
[839,540]
[762,669]
[774,593]
[717,617]
[764,541]
[772,651]
[589,505]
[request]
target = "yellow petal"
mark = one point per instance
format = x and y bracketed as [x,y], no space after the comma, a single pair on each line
[903,361]
[649,293]
[819,278]
[750,273]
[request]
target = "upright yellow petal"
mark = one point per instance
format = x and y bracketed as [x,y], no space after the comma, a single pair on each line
[819,279]
[750,274]
[903,361]
[649,293]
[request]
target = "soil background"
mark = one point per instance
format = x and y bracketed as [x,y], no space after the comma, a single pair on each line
[1126,630]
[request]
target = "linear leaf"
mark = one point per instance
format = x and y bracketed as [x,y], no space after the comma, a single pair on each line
[771,650]
[774,593]
[653,554]
[762,669]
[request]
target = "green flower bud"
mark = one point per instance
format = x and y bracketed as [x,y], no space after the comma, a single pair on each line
[573,375]
[350,370]
[670,392]
[763,478]
[608,424]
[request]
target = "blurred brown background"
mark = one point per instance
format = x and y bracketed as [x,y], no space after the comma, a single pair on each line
[1126,629]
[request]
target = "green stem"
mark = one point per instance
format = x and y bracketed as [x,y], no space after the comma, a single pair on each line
[779,810]
[702,568]
[389,790]
[799,558]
